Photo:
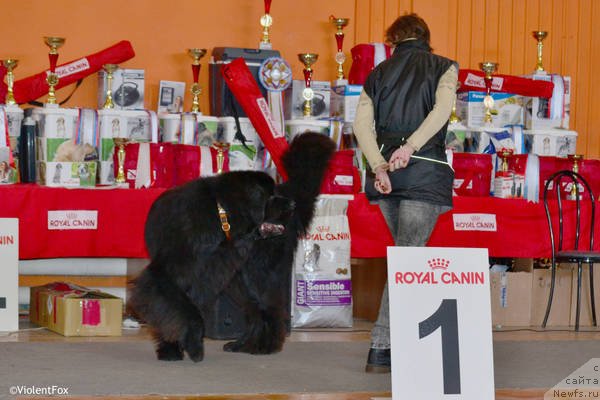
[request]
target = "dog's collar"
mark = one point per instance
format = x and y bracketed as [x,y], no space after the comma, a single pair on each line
[224,222]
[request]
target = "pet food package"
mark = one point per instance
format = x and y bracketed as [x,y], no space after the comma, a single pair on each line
[244,146]
[127,89]
[344,100]
[138,126]
[341,177]
[72,310]
[188,128]
[322,285]
[551,142]
[553,112]
[508,109]
[170,97]
[295,127]
[472,174]
[67,174]
[147,165]
[294,102]
[11,118]
[192,162]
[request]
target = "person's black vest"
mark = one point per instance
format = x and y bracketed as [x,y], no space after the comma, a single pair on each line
[402,89]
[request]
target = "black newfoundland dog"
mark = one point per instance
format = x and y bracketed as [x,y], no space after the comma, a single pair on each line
[194,258]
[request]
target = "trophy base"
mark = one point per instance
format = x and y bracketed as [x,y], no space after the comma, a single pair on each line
[51,105]
[265,46]
[123,185]
[339,82]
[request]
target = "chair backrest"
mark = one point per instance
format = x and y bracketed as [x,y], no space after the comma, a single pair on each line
[570,218]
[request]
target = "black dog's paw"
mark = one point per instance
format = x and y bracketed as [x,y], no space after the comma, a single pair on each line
[169,352]
[194,346]
[234,347]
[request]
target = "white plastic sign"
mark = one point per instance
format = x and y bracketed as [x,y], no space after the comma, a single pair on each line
[9,274]
[440,323]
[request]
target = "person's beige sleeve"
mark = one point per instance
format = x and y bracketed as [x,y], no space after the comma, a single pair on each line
[438,116]
[364,126]
[364,131]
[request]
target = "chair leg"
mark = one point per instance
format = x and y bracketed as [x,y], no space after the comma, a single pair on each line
[549,306]
[579,270]
[593,298]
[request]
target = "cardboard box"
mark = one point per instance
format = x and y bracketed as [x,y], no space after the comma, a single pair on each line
[507,110]
[511,298]
[170,97]
[293,100]
[549,113]
[67,174]
[75,311]
[560,314]
[585,312]
[127,89]
[551,142]
[344,100]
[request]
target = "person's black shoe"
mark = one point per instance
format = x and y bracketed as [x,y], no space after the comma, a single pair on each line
[378,361]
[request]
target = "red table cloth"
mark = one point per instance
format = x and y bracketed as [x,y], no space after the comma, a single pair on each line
[507,228]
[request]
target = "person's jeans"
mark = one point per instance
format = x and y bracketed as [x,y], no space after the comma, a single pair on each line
[411,223]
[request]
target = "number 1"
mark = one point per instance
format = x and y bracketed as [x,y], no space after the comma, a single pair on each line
[446,317]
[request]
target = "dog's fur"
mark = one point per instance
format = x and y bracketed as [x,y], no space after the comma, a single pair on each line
[192,262]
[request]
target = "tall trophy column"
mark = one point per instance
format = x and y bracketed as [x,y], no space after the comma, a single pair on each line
[54,43]
[110,70]
[488,68]
[196,90]
[340,57]
[308,59]
[539,36]
[10,64]
[266,21]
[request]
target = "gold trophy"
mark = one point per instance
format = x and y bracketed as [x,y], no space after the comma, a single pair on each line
[266,21]
[340,57]
[10,64]
[488,68]
[308,59]
[110,69]
[221,148]
[576,159]
[196,90]
[54,43]
[539,36]
[454,118]
[121,143]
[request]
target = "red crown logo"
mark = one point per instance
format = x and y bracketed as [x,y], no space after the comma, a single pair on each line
[323,228]
[438,263]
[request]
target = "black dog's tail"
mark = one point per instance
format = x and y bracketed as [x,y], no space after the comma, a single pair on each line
[306,162]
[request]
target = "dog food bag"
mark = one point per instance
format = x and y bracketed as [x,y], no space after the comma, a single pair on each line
[322,286]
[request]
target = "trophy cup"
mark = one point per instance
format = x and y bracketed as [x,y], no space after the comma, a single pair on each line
[121,143]
[308,59]
[454,118]
[54,43]
[196,54]
[576,159]
[539,36]
[221,148]
[340,57]
[488,68]
[10,64]
[110,69]
[266,21]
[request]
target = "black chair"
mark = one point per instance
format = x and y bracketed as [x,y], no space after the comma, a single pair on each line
[578,250]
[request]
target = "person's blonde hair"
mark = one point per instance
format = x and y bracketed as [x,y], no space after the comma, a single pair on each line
[406,27]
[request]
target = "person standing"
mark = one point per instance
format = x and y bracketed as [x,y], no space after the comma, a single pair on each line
[400,127]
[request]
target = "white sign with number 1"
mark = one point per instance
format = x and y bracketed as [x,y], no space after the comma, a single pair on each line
[440,323]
